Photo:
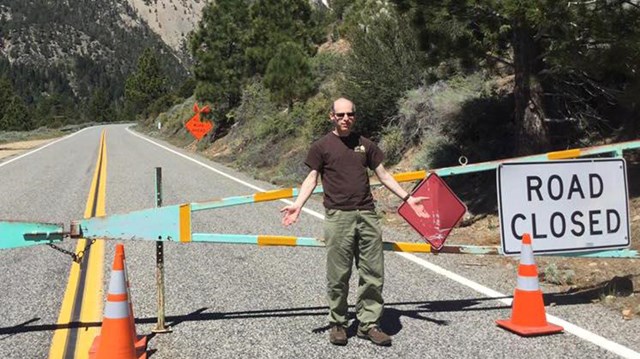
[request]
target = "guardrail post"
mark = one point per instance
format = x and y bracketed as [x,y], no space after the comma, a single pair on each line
[160,326]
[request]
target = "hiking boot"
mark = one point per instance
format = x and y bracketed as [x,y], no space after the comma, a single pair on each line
[376,335]
[338,335]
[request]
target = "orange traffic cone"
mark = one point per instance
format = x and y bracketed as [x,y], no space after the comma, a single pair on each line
[140,341]
[116,340]
[528,317]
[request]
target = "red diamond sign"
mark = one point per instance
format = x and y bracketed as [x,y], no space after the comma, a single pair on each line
[445,210]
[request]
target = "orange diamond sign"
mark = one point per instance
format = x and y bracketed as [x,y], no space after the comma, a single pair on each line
[195,126]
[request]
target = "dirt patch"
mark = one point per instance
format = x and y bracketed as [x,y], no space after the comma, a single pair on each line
[16,148]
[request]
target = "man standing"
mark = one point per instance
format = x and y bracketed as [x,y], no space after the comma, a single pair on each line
[352,228]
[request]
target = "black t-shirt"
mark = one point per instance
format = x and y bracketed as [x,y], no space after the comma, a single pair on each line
[342,162]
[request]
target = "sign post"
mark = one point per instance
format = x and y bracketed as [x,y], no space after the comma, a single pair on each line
[567,206]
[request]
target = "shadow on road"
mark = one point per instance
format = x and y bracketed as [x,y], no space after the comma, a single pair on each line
[391,320]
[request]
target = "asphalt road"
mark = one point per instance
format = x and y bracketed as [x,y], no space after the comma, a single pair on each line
[247,301]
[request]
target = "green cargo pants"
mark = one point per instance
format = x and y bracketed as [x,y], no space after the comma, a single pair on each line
[355,235]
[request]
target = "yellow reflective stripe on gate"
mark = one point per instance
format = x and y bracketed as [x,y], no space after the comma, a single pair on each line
[277,241]
[559,155]
[185,223]
[271,195]
[410,176]
[411,247]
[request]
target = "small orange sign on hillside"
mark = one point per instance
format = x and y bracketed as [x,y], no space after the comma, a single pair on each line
[196,127]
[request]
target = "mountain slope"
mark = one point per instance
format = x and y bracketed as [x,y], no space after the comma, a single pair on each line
[76,47]
[172,20]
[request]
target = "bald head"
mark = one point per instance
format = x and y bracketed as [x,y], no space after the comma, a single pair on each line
[343,105]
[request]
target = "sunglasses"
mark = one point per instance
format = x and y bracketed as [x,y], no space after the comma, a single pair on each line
[341,114]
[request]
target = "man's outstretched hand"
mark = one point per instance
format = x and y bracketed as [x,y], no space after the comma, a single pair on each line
[416,204]
[291,214]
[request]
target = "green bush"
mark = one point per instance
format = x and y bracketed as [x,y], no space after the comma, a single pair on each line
[163,103]
[436,151]
[275,127]
[326,65]
[393,144]
[315,117]
[255,105]
[251,156]
[291,174]
[449,119]
[426,110]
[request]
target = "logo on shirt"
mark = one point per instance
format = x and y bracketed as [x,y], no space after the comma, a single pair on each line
[359,149]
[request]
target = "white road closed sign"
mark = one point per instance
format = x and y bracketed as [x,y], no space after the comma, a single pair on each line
[566,206]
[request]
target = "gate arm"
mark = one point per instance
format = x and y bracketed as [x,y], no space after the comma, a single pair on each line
[170,223]
[15,234]
[283,193]
[173,223]
[615,149]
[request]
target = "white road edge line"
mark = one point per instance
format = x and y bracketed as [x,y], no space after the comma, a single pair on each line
[309,211]
[569,327]
[41,148]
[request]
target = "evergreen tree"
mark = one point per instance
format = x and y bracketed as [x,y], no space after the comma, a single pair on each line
[14,115]
[6,92]
[288,75]
[235,41]
[55,110]
[218,48]
[562,53]
[384,62]
[147,84]
[273,22]
[99,108]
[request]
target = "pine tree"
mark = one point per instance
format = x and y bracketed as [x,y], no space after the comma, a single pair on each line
[218,48]
[288,75]
[14,115]
[568,57]
[99,107]
[273,22]
[384,62]
[147,84]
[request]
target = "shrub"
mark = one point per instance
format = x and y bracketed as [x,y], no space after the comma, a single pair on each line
[315,114]
[393,144]
[275,127]
[436,151]
[426,110]
[326,65]
[255,105]
[450,119]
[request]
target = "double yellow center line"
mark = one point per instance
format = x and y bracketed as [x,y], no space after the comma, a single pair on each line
[81,307]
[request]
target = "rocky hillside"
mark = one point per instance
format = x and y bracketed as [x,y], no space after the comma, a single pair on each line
[170,19]
[75,47]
